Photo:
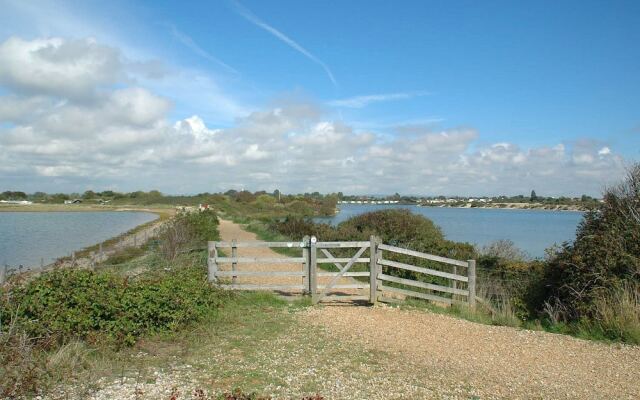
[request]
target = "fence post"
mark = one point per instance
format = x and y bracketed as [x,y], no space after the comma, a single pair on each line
[73,258]
[373,269]
[313,269]
[101,254]
[234,265]
[305,265]
[3,273]
[212,266]
[472,283]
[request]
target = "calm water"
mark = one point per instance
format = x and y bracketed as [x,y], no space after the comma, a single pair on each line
[26,237]
[531,230]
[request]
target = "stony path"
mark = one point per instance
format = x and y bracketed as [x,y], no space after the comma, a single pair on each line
[491,361]
[494,361]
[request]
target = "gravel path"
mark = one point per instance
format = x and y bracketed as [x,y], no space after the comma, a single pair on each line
[495,362]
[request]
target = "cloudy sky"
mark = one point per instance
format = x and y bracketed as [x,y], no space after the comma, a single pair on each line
[424,97]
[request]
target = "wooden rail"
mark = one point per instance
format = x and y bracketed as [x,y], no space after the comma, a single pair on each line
[383,284]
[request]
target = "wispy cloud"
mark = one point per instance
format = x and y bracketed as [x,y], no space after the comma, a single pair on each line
[193,46]
[249,16]
[363,101]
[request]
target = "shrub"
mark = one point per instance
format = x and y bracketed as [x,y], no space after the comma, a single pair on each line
[395,227]
[604,256]
[191,230]
[65,304]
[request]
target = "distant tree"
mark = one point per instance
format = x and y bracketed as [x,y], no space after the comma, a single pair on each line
[59,197]
[533,197]
[328,205]
[244,196]
[9,195]
[231,192]
[89,194]
[265,201]
[39,196]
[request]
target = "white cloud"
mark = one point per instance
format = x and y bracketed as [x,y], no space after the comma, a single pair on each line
[605,151]
[69,68]
[363,101]
[119,134]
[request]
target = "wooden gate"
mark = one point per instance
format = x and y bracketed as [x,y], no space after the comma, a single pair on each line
[325,271]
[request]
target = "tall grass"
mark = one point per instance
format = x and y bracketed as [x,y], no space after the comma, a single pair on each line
[498,301]
[618,313]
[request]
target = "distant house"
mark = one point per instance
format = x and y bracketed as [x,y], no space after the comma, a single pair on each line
[74,201]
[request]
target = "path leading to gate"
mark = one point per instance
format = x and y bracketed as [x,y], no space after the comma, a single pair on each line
[470,358]
[230,230]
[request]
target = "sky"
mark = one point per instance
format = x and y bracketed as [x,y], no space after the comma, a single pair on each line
[362,97]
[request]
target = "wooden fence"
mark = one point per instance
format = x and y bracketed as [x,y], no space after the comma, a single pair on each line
[391,273]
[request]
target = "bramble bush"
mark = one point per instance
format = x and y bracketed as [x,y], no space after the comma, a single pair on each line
[67,304]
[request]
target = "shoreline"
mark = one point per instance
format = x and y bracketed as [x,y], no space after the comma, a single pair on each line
[158,209]
[510,208]
[89,255]
[471,208]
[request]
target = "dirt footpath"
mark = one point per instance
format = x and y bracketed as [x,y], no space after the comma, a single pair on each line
[490,361]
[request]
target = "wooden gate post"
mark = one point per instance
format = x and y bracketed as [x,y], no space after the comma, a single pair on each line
[212,266]
[3,273]
[472,283]
[234,264]
[313,269]
[373,269]
[306,282]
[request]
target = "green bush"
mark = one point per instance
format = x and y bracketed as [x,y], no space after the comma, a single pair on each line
[395,227]
[605,255]
[65,304]
[203,224]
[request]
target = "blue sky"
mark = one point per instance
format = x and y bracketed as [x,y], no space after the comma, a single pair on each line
[528,78]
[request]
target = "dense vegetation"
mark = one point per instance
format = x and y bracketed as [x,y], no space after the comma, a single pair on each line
[595,281]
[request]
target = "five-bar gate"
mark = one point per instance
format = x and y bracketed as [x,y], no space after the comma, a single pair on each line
[353,270]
